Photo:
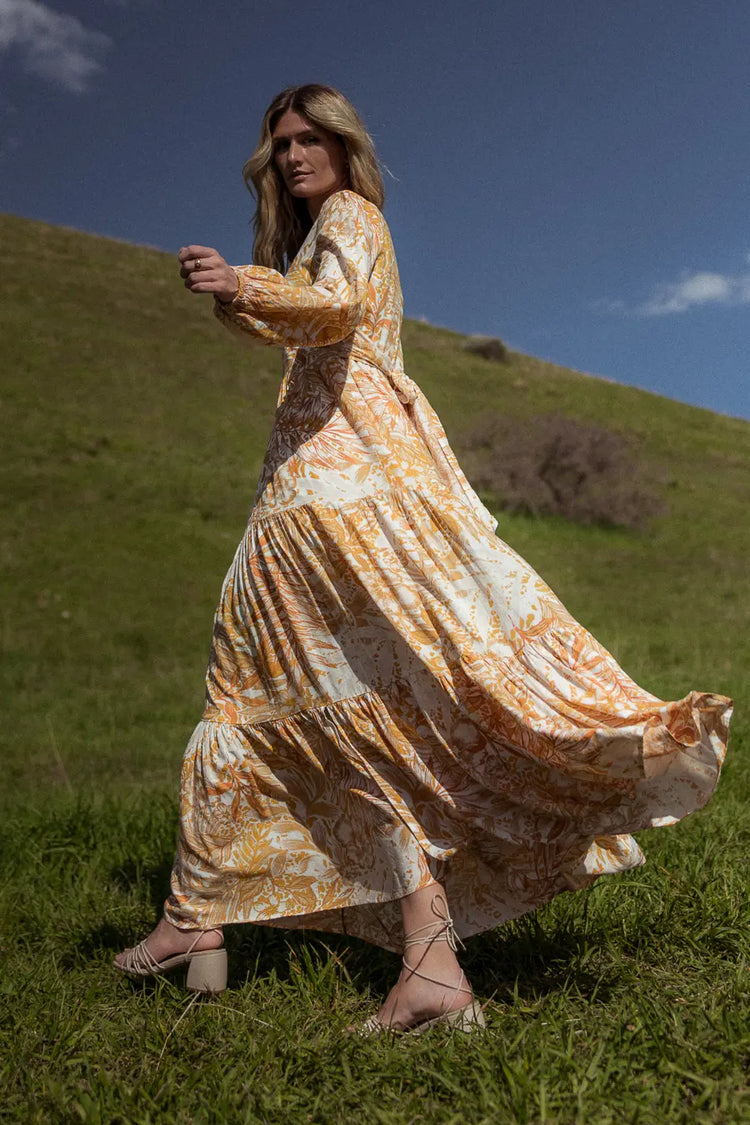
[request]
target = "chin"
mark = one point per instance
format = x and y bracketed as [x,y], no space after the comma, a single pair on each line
[301,190]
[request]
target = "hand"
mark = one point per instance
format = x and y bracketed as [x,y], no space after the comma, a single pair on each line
[205,271]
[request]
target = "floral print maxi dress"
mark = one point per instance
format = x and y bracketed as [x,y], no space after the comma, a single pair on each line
[393,695]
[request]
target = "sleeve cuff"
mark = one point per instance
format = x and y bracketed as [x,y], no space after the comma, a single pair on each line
[238,294]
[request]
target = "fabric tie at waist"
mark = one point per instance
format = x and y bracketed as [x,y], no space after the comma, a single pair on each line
[405,388]
[429,428]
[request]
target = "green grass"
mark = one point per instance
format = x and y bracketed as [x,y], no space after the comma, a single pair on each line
[134,429]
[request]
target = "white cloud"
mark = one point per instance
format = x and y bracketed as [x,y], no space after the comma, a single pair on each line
[691,291]
[694,289]
[53,45]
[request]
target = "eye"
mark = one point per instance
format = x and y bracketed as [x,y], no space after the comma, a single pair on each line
[312,140]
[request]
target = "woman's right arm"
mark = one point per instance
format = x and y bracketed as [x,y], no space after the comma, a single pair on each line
[327,309]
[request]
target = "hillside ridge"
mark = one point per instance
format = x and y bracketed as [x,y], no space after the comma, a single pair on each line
[413,327]
[135,428]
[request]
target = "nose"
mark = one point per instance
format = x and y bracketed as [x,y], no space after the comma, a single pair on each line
[294,153]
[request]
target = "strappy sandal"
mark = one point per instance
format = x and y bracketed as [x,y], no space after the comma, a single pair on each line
[207,968]
[468,1018]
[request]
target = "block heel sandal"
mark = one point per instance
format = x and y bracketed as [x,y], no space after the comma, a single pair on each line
[206,968]
[469,1018]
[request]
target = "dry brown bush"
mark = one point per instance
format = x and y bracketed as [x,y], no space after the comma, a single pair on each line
[554,465]
[489,348]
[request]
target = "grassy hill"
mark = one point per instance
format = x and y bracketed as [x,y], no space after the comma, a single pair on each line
[133,432]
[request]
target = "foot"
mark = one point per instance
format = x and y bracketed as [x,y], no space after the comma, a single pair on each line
[412,1000]
[167,941]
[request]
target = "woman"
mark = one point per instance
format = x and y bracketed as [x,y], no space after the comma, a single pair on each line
[400,714]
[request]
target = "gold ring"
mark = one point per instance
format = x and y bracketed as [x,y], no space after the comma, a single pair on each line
[198,263]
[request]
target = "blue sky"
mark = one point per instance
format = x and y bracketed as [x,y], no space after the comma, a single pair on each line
[569,175]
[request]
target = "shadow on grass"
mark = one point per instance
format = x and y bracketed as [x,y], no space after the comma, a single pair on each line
[154,876]
[520,960]
[502,969]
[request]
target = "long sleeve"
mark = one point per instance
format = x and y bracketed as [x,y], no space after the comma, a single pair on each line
[323,310]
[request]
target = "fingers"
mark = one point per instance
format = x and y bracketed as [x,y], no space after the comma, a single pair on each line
[196,258]
[203,270]
[203,281]
[197,252]
[193,265]
[221,287]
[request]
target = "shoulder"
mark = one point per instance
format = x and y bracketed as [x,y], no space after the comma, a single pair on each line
[347,208]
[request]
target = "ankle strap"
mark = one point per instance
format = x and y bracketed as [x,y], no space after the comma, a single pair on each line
[200,934]
[440,930]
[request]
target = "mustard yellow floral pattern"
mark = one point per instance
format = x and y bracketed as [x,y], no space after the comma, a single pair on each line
[393,694]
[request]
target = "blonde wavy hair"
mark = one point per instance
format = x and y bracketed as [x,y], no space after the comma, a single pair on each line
[282,222]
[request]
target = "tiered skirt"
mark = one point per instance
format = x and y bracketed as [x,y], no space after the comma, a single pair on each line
[395,696]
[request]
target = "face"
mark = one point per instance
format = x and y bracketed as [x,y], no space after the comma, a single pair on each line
[311,160]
